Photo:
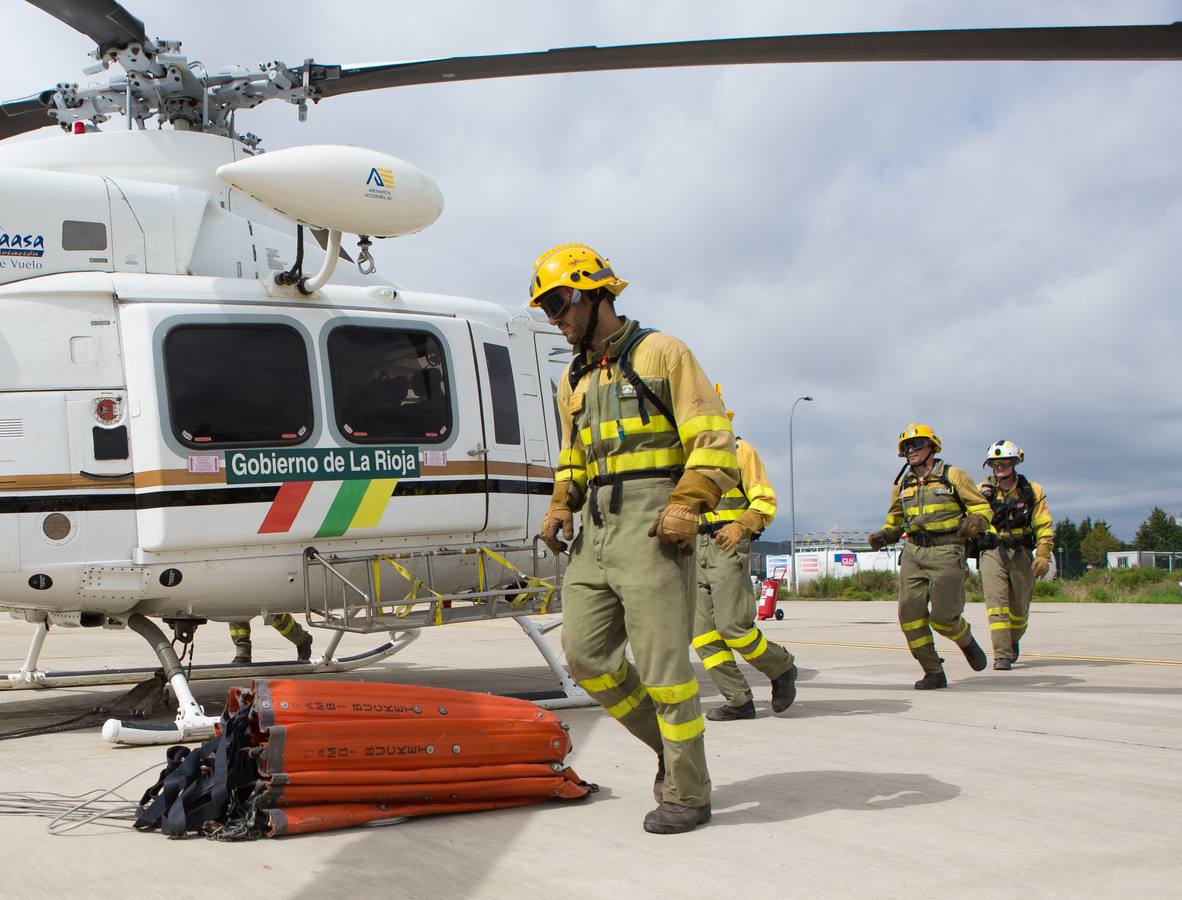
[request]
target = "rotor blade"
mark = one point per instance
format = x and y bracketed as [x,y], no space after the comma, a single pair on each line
[103,21]
[27,114]
[1127,42]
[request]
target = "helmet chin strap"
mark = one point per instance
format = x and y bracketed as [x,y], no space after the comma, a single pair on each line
[592,322]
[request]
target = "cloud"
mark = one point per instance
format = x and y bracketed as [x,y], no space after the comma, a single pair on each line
[991,248]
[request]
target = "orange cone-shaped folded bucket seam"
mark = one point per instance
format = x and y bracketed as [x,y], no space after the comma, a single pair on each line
[562,785]
[285,702]
[334,777]
[411,744]
[305,819]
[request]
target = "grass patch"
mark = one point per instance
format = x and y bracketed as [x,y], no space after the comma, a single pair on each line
[868,585]
[1137,585]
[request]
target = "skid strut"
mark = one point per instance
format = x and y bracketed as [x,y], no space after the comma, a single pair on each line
[191,723]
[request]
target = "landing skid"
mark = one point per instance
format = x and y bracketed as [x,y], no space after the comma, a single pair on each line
[191,723]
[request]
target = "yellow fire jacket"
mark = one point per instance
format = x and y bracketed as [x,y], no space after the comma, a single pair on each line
[604,435]
[929,505]
[754,492]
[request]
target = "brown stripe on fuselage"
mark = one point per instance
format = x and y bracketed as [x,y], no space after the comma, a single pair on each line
[183,477]
[60,482]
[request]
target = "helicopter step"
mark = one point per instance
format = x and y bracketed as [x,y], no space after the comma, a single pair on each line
[345,593]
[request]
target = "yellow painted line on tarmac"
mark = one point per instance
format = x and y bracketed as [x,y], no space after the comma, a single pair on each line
[1118,659]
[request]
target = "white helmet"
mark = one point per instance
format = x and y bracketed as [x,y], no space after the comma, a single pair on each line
[1003,449]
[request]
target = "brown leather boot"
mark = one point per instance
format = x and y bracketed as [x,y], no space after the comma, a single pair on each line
[673,818]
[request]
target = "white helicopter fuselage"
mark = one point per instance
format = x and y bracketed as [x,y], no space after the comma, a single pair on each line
[176,430]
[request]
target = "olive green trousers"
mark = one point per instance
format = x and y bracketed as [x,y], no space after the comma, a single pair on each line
[284,623]
[724,621]
[624,588]
[1008,584]
[931,593]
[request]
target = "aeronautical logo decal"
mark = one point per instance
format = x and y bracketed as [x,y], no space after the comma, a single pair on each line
[380,183]
[367,479]
[21,244]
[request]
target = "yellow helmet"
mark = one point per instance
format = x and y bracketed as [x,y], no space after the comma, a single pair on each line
[918,430]
[572,265]
[730,413]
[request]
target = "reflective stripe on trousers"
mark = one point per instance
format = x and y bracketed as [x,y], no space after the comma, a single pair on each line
[931,595]
[623,588]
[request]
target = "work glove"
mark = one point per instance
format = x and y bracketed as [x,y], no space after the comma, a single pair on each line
[971,527]
[729,535]
[557,517]
[695,491]
[676,524]
[1040,566]
[878,540]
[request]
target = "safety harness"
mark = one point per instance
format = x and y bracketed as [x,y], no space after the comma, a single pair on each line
[920,538]
[585,364]
[1012,514]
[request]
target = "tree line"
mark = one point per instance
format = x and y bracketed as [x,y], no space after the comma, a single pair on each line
[1089,542]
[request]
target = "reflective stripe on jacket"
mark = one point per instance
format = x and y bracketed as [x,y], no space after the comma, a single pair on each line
[930,506]
[754,491]
[610,436]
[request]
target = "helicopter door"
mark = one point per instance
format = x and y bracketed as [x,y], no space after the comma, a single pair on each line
[553,354]
[295,425]
[504,450]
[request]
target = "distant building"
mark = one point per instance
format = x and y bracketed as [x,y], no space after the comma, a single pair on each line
[1132,559]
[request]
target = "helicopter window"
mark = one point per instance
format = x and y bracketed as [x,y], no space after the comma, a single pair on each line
[506,427]
[389,385]
[84,235]
[237,385]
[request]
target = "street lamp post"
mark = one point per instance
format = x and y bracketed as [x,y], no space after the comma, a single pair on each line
[1062,571]
[792,495]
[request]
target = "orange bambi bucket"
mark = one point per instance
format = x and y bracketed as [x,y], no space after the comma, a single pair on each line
[435,743]
[293,757]
[285,702]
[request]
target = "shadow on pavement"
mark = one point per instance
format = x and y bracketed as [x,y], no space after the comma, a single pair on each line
[792,795]
[812,709]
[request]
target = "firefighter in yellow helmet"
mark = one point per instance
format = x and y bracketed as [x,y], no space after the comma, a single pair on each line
[938,507]
[1020,553]
[724,621]
[646,449]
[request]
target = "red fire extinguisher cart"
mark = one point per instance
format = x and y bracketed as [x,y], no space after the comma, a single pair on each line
[770,593]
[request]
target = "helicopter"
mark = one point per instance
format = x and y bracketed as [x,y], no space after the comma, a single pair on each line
[210,432]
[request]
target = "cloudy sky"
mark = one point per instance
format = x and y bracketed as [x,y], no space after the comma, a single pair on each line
[989,248]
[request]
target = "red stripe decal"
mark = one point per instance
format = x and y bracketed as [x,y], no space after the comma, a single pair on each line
[285,506]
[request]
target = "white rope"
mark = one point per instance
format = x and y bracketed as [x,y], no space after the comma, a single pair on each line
[102,807]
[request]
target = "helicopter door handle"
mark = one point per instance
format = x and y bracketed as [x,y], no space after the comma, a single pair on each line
[478,450]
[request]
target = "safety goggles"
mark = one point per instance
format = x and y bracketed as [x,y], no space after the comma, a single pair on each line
[999,463]
[558,300]
[916,443]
